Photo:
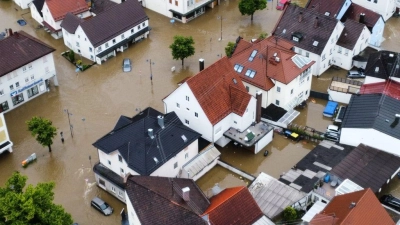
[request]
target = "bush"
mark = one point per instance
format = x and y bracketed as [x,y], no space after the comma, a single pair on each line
[79,62]
[289,214]
[71,56]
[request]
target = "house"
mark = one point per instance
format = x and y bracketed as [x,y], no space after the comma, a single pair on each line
[23,4]
[36,10]
[111,31]
[180,10]
[371,19]
[234,206]
[162,200]
[313,34]
[270,67]
[361,207]
[148,144]
[26,67]
[5,143]
[54,12]
[368,167]
[382,66]
[335,9]
[353,40]
[372,119]
[385,8]
[213,101]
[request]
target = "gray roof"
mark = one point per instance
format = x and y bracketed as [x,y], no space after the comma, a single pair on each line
[273,196]
[70,23]
[99,6]
[130,137]
[114,21]
[201,161]
[386,62]
[108,174]
[375,111]
[289,24]
[367,167]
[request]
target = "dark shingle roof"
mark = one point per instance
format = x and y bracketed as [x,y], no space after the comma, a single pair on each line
[39,6]
[138,149]
[375,111]
[20,49]
[386,62]
[157,200]
[114,21]
[354,11]
[99,6]
[310,33]
[350,34]
[367,167]
[70,23]
[321,6]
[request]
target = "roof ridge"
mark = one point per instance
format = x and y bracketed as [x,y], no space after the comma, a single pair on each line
[359,200]
[23,33]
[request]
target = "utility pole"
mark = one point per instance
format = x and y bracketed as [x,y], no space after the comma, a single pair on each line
[69,121]
[220,17]
[151,70]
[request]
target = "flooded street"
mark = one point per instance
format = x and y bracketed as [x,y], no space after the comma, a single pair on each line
[97,97]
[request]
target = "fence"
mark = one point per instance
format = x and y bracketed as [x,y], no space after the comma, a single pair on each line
[320,95]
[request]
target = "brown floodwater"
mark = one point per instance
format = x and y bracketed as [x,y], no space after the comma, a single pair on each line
[97,97]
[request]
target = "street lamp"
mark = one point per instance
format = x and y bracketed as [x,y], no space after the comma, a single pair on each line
[69,121]
[220,18]
[151,71]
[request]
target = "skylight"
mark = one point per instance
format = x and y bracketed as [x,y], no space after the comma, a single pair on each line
[300,61]
[250,73]
[184,138]
[284,31]
[238,68]
[155,160]
[327,13]
[253,54]
[315,43]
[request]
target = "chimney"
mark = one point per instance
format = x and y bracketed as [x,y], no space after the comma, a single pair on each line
[316,22]
[160,119]
[150,132]
[362,18]
[201,64]
[352,205]
[10,33]
[185,194]
[258,105]
[300,17]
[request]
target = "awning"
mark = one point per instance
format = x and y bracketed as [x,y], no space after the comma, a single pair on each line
[202,160]
[189,12]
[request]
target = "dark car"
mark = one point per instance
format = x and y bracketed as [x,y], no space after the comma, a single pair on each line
[390,201]
[102,206]
[332,136]
[355,74]
[127,65]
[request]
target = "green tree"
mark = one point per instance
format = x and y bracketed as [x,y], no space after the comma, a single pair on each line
[289,214]
[71,56]
[182,47]
[34,206]
[43,130]
[248,7]
[263,36]
[229,49]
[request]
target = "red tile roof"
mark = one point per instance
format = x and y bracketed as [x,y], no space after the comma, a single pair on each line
[389,87]
[233,206]
[367,210]
[217,92]
[354,11]
[59,8]
[264,62]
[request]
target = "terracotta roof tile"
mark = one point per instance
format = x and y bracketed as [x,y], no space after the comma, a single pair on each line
[20,49]
[350,34]
[233,206]
[214,89]
[59,8]
[367,210]
[390,88]
[354,11]
[320,6]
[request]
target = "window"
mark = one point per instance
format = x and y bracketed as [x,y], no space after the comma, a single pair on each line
[32,77]
[114,41]
[24,68]
[247,88]
[186,155]
[122,36]
[175,165]
[177,105]
[30,66]
[91,57]
[120,158]
[234,122]
[346,52]
[99,49]
[132,30]
[300,51]
[101,182]
[187,122]
[17,84]
[250,73]
[120,193]
[276,102]
[339,49]
[26,79]
[90,49]
[306,92]
[296,39]
[238,68]
[307,54]
[187,98]
[113,189]
[308,78]
[252,55]
[33,91]
[218,130]
[291,91]
[4,106]
[79,36]
[323,57]
[143,24]
[278,89]
[17,99]
[122,170]
[11,87]
[187,109]
[330,52]
[170,1]
[79,51]
[109,162]
[375,1]
[77,44]
[196,114]
[106,45]
[1,92]
[138,27]
[176,2]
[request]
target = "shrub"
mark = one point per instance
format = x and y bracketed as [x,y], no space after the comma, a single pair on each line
[71,56]
[289,214]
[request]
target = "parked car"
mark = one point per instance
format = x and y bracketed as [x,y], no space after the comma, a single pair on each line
[331,136]
[127,65]
[390,201]
[332,129]
[340,115]
[102,206]
[355,74]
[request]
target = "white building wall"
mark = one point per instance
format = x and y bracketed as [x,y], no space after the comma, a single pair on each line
[4,135]
[339,96]
[24,4]
[48,18]
[384,7]
[370,137]
[377,33]
[111,188]
[31,75]
[263,142]
[162,6]
[132,216]
[343,9]
[371,80]
[266,95]
[35,14]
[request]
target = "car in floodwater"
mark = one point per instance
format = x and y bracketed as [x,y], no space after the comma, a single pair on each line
[102,206]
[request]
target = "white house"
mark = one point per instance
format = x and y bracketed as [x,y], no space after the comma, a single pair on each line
[148,144]
[385,8]
[26,67]
[313,34]
[36,10]
[102,36]
[335,9]
[382,66]
[371,19]
[353,40]
[373,120]
[24,4]
[181,10]
[5,143]
[54,12]
[213,101]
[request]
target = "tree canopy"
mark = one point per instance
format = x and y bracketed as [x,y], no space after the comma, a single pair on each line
[229,49]
[182,47]
[33,207]
[289,214]
[248,7]
[43,130]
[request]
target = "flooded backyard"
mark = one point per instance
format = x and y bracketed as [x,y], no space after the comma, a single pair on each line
[97,97]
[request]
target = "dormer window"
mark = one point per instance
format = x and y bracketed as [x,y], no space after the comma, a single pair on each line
[376,69]
[296,39]
[253,54]
[238,68]
[297,36]
[250,73]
